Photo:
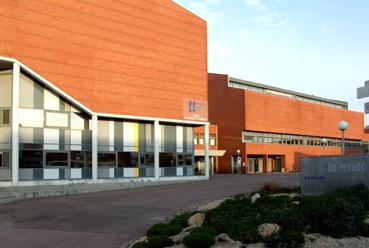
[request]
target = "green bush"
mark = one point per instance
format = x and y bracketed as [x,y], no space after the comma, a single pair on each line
[142,244]
[202,237]
[159,242]
[164,229]
[181,219]
[338,213]
[287,239]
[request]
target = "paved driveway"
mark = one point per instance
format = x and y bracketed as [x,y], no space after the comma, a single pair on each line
[111,219]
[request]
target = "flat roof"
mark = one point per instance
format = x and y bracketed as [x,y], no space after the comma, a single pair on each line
[263,86]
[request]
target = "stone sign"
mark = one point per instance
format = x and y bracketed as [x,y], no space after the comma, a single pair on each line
[323,174]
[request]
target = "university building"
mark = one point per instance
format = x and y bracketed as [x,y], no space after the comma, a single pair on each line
[267,129]
[99,91]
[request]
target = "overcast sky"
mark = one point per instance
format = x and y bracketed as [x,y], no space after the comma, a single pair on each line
[318,47]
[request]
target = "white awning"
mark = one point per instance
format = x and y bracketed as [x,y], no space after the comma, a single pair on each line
[213,153]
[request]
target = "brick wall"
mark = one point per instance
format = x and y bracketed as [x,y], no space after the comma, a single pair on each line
[123,57]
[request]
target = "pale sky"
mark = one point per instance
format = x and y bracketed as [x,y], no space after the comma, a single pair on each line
[318,47]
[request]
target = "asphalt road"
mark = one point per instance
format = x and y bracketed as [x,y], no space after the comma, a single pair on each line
[111,219]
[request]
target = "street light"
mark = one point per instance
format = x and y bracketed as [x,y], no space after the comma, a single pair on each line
[343,125]
[238,162]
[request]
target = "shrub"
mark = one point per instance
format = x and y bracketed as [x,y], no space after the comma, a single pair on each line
[159,242]
[141,244]
[287,239]
[271,187]
[181,219]
[164,229]
[202,237]
[338,213]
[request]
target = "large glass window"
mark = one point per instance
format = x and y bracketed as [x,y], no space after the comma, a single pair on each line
[127,159]
[180,159]
[188,160]
[31,118]
[195,138]
[4,159]
[79,121]
[30,159]
[57,159]
[106,159]
[147,159]
[80,159]
[4,116]
[54,119]
[212,140]
[167,159]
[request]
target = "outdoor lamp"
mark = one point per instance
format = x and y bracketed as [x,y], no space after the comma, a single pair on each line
[343,125]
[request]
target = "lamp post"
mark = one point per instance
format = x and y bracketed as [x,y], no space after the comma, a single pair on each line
[324,141]
[343,125]
[238,162]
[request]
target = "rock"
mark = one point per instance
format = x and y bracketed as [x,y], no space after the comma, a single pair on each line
[224,241]
[179,237]
[142,239]
[247,195]
[178,246]
[281,194]
[296,202]
[211,205]
[196,219]
[267,229]
[223,237]
[255,197]
[256,245]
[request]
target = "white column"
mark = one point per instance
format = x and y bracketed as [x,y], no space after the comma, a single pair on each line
[157,136]
[15,124]
[207,161]
[94,147]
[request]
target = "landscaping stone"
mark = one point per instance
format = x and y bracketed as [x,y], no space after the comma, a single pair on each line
[255,197]
[178,246]
[179,237]
[247,195]
[224,241]
[212,205]
[281,194]
[256,245]
[267,229]
[196,219]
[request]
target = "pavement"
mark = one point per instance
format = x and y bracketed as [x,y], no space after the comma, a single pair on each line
[112,219]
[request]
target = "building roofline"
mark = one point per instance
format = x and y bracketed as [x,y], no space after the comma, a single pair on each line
[47,83]
[264,86]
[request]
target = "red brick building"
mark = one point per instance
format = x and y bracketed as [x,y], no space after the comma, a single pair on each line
[274,128]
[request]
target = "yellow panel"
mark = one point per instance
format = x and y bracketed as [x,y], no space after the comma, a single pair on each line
[136,136]
[136,172]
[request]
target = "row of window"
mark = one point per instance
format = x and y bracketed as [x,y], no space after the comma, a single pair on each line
[39,118]
[269,138]
[135,159]
[200,139]
[284,94]
[82,159]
